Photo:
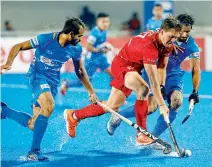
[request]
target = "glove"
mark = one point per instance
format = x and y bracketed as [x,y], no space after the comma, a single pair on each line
[194,95]
[163,90]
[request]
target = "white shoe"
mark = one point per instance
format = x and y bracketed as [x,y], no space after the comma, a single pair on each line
[157,146]
[112,124]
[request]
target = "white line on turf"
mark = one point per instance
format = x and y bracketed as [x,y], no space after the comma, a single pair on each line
[22,86]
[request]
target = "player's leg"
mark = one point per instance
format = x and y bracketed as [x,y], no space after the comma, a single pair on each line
[174,89]
[135,82]
[46,103]
[36,112]
[72,117]
[129,112]
[174,103]
[43,95]
[21,118]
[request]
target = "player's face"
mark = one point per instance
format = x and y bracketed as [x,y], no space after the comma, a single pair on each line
[184,34]
[103,23]
[76,38]
[168,37]
[157,11]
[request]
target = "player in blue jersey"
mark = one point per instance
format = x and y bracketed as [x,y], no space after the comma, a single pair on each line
[52,51]
[172,89]
[157,19]
[97,46]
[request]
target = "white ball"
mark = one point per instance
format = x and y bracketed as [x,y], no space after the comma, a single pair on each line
[188,153]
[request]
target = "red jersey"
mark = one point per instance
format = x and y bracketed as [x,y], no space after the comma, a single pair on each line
[144,49]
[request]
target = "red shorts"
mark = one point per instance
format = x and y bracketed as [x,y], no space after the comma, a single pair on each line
[119,68]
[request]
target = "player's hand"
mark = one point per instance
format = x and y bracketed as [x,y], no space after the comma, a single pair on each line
[195,96]
[178,48]
[92,97]
[164,110]
[5,68]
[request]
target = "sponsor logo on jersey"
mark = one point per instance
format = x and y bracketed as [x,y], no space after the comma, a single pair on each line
[44,86]
[46,61]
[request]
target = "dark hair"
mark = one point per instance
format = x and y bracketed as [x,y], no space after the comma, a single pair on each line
[7,22]
[171,23]
[186,19]
[100,15]
[73,25]
[158,5]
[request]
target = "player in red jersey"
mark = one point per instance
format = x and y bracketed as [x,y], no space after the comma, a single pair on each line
[142,51]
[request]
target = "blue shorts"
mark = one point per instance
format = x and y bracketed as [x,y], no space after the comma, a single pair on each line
[39,86]
[94,62]
[174,81]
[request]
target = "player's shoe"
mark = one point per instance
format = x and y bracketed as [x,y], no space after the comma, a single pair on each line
[63,88]
[157,146]
[36,155]
[112,124]
[71,123]
[143,140]
[2,106]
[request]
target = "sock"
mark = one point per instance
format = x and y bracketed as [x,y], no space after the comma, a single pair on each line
[129,112]
[92,110]
[141,109]
[20,117]
[74,83]
[161,125]
[39,130]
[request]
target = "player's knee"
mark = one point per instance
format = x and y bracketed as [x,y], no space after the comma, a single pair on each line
[176,101]
[142,91]
[113,106]
[49,106]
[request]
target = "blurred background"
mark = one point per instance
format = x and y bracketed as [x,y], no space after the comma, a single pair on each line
[25,19]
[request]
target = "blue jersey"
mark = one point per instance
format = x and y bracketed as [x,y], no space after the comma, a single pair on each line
[153,24]
[191,51]
[50,56]
[97,38]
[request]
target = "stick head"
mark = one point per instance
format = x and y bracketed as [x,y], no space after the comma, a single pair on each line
[182,152]
[167,150]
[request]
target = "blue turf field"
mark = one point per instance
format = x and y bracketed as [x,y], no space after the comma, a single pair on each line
[93,147]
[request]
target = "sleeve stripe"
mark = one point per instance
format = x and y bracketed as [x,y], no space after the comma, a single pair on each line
[31,43]
[195,55]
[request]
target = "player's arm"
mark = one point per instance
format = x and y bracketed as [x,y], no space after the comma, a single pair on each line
[196,77]
[195,69]
[14,52]
[90,43]
[162,64]
[153,76]
[149,59]
[83,77]
[91,48]
[155,86]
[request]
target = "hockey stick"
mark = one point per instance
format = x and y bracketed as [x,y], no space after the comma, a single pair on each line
[167,146]
[191,106]
[181,153]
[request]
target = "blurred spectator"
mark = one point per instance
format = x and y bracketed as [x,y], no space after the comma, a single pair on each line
[157,19]
[134,24]
[125,26]
[8,26]
[88,17]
